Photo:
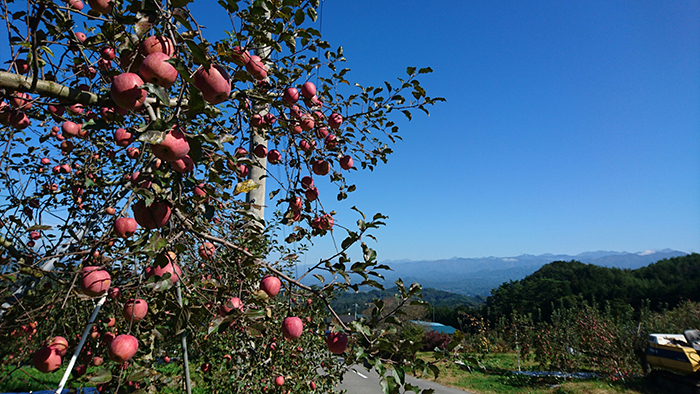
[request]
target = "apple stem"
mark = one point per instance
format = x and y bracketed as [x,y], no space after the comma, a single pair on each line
[86,332]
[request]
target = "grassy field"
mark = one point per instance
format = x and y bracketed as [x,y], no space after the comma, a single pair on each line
[497,379]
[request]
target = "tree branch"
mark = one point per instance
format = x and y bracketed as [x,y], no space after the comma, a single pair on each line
[18,82]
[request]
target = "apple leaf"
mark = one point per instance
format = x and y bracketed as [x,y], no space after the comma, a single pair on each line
[245,186]
[101,376]
[199,56]
[215,324]
[299,17]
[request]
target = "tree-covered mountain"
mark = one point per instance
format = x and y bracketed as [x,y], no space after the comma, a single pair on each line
[665,282]
[478,276]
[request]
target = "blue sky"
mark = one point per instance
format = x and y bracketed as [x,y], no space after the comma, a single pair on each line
[568,127]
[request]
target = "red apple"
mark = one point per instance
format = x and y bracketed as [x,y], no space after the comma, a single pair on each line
[260,151]
[291,96]
[183,165]
[95,281]
[256,67]
[307,182]
[156,70]
[213,82]
[79,370]
[152,216]
[308,90]
[274,156]
[337,342]
[346,162]
[135,310]
[279,380]
[71,129]
[108,337]
[311,194]
[56,110]
[170,268]
[331,141]
[46,359]
[97,361]
[206,250]
[60,344]
[108,53]
[174,146]
[240,56]
[307,123]
[240,152]
[101,6]
[79,35]
[270,285]
[242,170]
[296,204]
[21,101]
[155,44]
[133,153]
[78,6]
[123,348]
[233,303]
[122,137]
[335,120]
[126,91]
[166,359]
[292,327]
[321,167]
[321,133]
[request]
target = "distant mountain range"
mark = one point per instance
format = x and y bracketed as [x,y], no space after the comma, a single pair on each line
[477,276]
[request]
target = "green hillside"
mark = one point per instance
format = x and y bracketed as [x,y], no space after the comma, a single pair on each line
[664,284]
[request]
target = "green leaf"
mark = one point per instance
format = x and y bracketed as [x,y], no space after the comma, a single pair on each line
[198,53]
[140,374]
[214,324]
[102,375]
[299,17]
[410,70]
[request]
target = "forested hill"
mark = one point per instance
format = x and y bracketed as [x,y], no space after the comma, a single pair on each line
[345,303]
[664,282]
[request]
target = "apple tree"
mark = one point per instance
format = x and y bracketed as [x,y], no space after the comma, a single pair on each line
[138,157]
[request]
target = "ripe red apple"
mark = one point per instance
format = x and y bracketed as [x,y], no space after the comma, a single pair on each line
[126,91]
[60,344]
[321,133]
[279,380]
[34,235]
[79,35]
[155,44]
[233,303]
[108,337]
[337,342]
[206,250]
[95,281]
[71,129]
[305,146]
[346,162]
[123,348]
[101,6]
[97,361]
[183,165]
[335,120]
[307,123]
[331,141]
[321,167]
[79,370]
[311,194]
[166,359]
[76,5]
[274,156]
[19,120]
[46,359]
[308,90]
[174,146]
[122,137]
[76,109]
[156,70]
[170,268]
[312,385]
[108,53]
[256,67]
[270,285]
[21,101]
[296,204]
[292,327]
[240,152]
[214,83]
[291,96]
[324,222]
[240,56]
[56,110]
[133,153]
[242,170]
[152,216]
[135,309]
[260,151]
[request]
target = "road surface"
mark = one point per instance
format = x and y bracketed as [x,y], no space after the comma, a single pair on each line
[360,381]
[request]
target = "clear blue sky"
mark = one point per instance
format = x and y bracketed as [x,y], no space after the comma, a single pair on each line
[569,126]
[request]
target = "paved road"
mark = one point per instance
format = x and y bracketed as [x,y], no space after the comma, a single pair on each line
[360,381]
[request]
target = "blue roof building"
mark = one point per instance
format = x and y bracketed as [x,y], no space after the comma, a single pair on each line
[431,326]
